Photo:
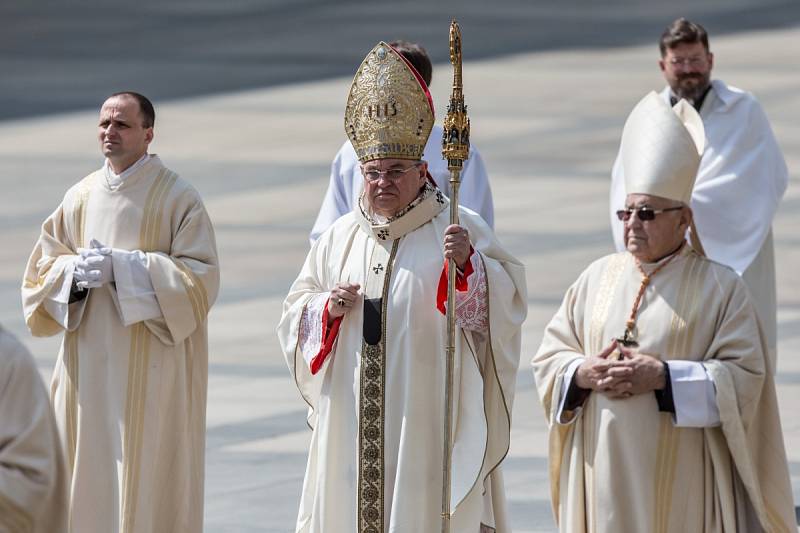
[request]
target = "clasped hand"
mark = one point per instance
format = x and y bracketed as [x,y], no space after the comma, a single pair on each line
[634,373]
[93,266]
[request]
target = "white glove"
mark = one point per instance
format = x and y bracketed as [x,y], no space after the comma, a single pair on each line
[94,268]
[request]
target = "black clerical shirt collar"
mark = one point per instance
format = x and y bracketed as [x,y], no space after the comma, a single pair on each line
[697,104]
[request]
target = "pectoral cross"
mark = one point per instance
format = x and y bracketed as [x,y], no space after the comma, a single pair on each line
[627,340]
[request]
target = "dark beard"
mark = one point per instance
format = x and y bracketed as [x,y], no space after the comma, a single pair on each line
[692,92]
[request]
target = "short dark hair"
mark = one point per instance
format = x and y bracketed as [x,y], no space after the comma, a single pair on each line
[145,107]
[417,56]
[682,31]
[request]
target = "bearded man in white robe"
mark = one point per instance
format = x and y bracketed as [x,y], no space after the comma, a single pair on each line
[364,334]
[742,175]
[346,181]
[33,488]
[126,267]
[654,372]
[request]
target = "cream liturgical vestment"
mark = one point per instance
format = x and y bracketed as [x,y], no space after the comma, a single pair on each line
[620,465]
[33,488]
[130,400]
[377,402]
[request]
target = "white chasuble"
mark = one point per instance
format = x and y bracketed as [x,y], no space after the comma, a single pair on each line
[377,402]
[130,401]
[620,465]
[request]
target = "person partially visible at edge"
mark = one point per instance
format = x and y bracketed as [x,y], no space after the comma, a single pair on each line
[654,373]
[33,478]
[126,269]
[364,333]
[346,182]
[742,175]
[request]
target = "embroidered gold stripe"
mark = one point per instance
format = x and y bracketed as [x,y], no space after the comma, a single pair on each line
[139,357]
[372,411]
[154,205]
[667,445]
[80,210]
[600,310]
[71,338]
[71,394]
[666,430]
[14,517]
[602,303]
[198,296]
[681,332]
[699,272]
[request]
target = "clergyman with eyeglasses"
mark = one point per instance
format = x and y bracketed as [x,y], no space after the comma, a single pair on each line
[346,183]
[742,175]
[364,333]
[654,372]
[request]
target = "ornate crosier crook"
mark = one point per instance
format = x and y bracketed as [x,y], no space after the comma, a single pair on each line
[455,148]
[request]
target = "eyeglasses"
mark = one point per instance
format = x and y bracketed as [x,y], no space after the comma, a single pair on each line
[696,61]
[644,213]
[393,174]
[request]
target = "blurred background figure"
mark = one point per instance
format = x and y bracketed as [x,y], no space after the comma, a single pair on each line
[33,480]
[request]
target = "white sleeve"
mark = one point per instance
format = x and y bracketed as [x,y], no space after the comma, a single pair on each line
[693,394]
[569,375]
[475,191]
[57,303]
[135,295]
[338,199]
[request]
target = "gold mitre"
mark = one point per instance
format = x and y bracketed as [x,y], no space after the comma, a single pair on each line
[389,110]
[661,149]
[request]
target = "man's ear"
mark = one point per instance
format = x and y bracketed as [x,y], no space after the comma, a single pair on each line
[423,171]
[148,135]
[686,217]
[662,65]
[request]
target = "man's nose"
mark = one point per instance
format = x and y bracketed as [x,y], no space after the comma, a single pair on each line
[633,220]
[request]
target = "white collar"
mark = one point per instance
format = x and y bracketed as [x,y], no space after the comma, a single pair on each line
[115,180]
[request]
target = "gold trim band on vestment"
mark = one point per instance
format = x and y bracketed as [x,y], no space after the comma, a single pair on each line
[684,317]
[138,361]
[372,412]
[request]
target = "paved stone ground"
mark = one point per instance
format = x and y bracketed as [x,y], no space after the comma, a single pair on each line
[547,123]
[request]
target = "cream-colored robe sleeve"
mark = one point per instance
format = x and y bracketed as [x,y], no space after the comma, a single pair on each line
[186,280]
[49,270]
[32,471]
[749,414]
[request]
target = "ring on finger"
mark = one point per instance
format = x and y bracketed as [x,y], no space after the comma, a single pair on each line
[340,302]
